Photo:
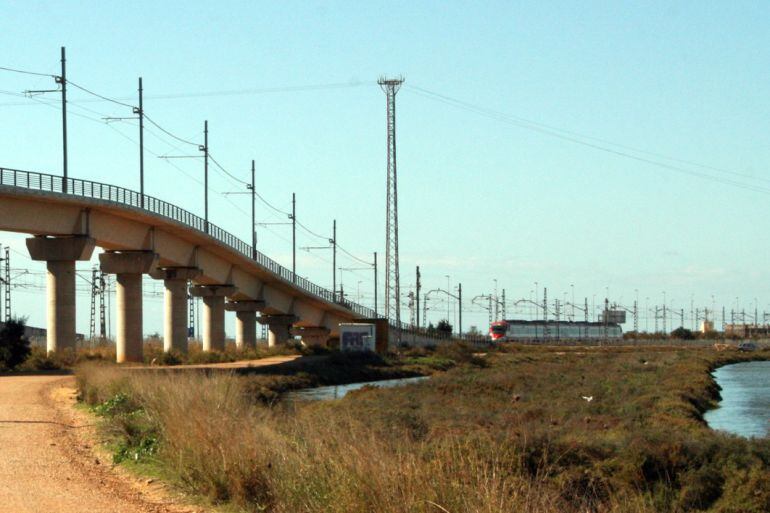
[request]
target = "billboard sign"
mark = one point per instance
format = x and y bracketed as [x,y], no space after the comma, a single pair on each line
[357,337]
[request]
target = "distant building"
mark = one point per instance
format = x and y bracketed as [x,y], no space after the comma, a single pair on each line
[706,326]
[37,336]
[747,330]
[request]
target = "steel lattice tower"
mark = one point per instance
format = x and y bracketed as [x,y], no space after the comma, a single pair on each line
[392,287]
[7,284]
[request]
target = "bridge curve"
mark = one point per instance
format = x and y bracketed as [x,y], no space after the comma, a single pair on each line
[119,219]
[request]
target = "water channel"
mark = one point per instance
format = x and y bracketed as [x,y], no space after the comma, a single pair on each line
[745,406]
[339,391]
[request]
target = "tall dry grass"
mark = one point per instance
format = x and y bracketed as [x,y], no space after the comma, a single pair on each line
[219,444]
[514,436]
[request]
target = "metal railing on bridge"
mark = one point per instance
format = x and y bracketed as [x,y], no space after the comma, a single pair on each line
[105,192]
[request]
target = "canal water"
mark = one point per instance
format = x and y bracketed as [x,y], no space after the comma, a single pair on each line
[338,391]
[745,406]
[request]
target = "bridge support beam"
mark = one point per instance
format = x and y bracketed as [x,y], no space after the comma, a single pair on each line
[213,297]
[278,327]
[245,322]
[128,268]
[312,336]
[175,322]
[60,255]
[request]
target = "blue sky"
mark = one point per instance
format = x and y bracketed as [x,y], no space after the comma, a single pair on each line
[480,196]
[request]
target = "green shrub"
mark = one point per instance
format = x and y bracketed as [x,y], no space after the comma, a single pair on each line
[14,346]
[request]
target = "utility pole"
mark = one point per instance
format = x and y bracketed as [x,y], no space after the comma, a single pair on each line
[253,188]
[63,81]
[636,318]
[392,286]
[418,287]
[140,112]
[497,303]
[504,314]
[191,314]
[586,307]
[7,280]
[205,150]
[460,309]
[102,312]
[376,314]
[545,312]
[294,237]
[94,294]
[333,242]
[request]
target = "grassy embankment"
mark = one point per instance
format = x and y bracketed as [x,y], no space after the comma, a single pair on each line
[509,432]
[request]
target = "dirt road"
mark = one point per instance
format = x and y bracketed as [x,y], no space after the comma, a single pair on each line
[50,461]
[47,459]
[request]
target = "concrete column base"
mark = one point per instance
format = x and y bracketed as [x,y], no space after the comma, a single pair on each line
[128,266]
[128,337]
[278,327]
[60,254]
[245,322]
[175,322]
[213,314]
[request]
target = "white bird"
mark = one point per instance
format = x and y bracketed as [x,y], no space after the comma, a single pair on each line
[588,398]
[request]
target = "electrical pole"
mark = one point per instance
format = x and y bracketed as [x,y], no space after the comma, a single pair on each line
[94,293]
[205,150]
[7,280]
[102,312]
[191,299]
[253,188]
[418,287]
[460,308]
[140,113]
[504,313]
[294,237]
[545,312]
[376,314]
[333,242]
[63,81]
[636,318]
[392,286]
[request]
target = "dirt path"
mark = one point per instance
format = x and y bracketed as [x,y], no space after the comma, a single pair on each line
[46,458]
[50,460]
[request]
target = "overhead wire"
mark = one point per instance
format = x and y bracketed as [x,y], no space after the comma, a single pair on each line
[551,132]
[26,72]
[584,136]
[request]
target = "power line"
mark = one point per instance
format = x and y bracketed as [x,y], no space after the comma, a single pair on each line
[25,72]
[571,137]
[105,98]
[148,118]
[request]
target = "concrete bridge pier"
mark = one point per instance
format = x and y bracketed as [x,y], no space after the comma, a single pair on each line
[245,322]
[175,322]
[312,336]
[278,327]
[213,297]
[128,268]
[60,255]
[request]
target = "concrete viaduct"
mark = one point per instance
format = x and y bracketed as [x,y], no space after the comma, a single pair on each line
[143,235]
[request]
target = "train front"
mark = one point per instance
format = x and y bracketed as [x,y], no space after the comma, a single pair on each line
[498,330]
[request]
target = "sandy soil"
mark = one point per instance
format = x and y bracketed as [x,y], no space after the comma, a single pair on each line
[49,462]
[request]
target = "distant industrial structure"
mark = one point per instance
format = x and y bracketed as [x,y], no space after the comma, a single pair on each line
[745,330]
